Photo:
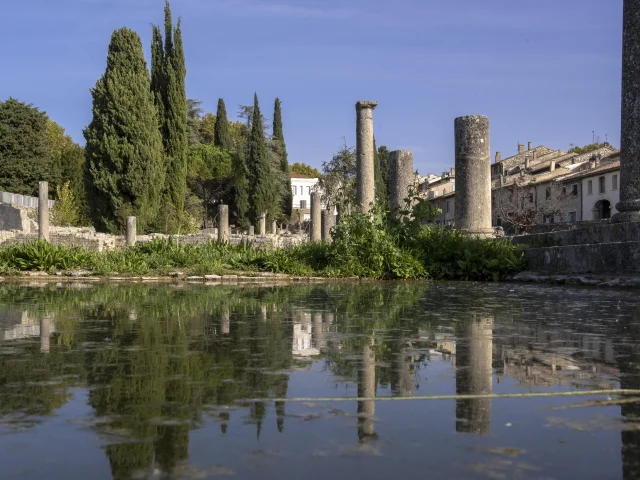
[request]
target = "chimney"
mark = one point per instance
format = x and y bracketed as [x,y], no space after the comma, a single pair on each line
[452,172]
[498,158]
[527,163]
[520,148]
[534,154]
[553,166]
[592,163]
[529,146]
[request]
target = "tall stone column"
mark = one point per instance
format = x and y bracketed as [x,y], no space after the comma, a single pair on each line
[262,224]
[401,177]
[43,211]
[365,175]
[252,230]
[473,176]
[316,221]
[223,223]
[629,205]
[474,355]
[274,227]
[328,222]
[130,232]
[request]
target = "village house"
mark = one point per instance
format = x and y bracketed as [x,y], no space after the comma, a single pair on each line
[301,188]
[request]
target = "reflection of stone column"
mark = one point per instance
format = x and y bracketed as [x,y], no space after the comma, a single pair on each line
[45,334]
[473,176]
[318,334]
[263,313]
[474,349]
[402,375]
[629,205]
[225,322]
[367,389]
[365,173]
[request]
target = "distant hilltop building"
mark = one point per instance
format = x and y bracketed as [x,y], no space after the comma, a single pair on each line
[539,185]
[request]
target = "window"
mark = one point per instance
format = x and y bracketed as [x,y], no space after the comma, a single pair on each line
[447,206]
[564,191]
[590,187]
[574,189]
[295,190]
[530,197]
[303,204]
[603,184]
[548,219]
[614,182]
[572,216]
[548,193]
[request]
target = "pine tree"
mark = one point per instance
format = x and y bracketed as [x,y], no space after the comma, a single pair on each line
[281,150]
[385,168]
[158,78]
[124,168]
[221,135]
[381,188]
[239,194]
[175,134]
[261,178]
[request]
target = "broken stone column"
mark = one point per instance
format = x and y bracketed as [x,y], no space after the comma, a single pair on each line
[43,211]
[223,223]
[274,227]
[629,205]
[316,221]
[328,222]
[262,224]
[365,175]
[400,177]
[130,232]
[252,230]
[473,176]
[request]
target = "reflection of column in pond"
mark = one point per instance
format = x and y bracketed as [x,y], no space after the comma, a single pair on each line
[45,334]
[225,322]
[367,389]
[263,313]
[474,350]
[328,322]
[402,374]
[302,336]
[628,356]
[318,334]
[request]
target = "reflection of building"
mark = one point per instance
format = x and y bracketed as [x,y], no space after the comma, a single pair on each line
[474,350]
[19,325]
[302,335]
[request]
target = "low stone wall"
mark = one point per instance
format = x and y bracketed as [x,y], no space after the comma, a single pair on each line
[588,233]
[89,239]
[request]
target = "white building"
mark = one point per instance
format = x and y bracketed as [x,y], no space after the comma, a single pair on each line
[600,187]
[301,187]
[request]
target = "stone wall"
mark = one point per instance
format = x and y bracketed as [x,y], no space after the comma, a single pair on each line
[21,219]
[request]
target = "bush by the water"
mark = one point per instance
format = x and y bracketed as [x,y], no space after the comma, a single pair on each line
[372,246]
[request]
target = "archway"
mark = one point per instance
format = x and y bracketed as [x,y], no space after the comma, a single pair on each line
[602,210]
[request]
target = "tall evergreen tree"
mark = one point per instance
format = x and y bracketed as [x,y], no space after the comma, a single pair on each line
[381,188]
[239,194]
[281,150]
[385,168]
[158,77]
[168,32]
[124,168]
[25,155]
[175,137]
[221,135]
[261,179]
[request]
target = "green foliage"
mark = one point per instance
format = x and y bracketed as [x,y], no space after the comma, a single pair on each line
[280,149]
[380,185]
[221,135]
[587,148]
[338,183]
[66,210]
[385,168]
[306,170]
[265,193]
[25,156]
[124,159]
[158,76]
[238,198]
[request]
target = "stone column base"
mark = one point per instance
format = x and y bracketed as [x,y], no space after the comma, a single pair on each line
[481,233]
[629,216]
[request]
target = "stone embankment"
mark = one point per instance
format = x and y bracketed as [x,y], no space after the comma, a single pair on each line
[586,280]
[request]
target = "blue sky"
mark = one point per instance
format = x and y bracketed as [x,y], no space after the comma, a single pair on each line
[545,71]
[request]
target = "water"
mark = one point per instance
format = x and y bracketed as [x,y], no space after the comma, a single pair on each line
[160,381]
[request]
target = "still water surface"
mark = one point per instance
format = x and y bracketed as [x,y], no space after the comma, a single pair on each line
[161,381]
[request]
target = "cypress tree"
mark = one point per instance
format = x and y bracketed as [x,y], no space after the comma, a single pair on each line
[176,143]
[158,80]
[168,32]
[124,168]
[381,188]
[281,149]
[221,135]
[261,179]
[239,195]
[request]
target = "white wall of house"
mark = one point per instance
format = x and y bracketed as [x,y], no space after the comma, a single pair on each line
[301,189]
[599,189]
